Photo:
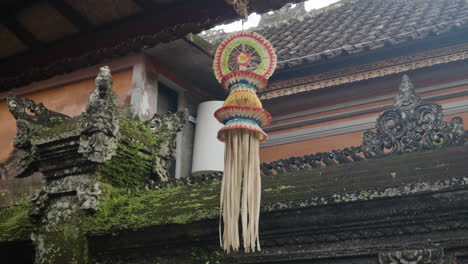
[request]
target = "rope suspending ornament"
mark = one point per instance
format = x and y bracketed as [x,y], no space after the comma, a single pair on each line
[241,7]
[243,63]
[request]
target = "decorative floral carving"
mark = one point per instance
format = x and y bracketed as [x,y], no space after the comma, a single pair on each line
[165,128]
[421,256]
[412,125]
[98,140]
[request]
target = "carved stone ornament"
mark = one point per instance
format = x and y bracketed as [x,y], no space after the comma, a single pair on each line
[29,114]
[86,189]
[412,125]
[421,256]
[165,128]
[98,141]
[29,117]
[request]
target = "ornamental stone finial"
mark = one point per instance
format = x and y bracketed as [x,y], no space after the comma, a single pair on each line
[100,127]
[412,125]
[407,97]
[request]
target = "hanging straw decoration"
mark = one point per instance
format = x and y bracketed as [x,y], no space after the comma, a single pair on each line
[243,63]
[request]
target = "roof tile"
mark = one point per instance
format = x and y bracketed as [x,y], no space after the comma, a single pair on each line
[353,26]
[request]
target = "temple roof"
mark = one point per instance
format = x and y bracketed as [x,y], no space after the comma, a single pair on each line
[350,27]
[353,26]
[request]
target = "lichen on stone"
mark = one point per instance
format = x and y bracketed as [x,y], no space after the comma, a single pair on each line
[58,236]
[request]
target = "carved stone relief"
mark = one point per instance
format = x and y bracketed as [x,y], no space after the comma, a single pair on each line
[100,126]
[412,125]
[29,115]
[421,256]
[165,128]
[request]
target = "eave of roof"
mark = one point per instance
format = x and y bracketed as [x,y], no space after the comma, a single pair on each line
[131,34]
[369,65]
[353,27]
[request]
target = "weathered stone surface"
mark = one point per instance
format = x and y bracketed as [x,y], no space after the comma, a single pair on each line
[100,126]
[421,256]
[412,125]
[347,213]
[75,155]
[59,237]
[165,128]
[29,116]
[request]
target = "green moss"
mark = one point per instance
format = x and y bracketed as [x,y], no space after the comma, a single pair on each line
[64,129]
[137,150]
[201,256]
[71,231]
[126,209]
[140,132]
[122,209]
[15,223]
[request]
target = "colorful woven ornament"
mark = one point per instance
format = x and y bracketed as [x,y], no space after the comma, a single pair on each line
[243,63]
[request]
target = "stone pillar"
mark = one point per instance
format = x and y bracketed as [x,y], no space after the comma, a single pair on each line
[59,237]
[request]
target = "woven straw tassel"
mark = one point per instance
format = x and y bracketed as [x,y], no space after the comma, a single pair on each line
[243,118]
[241,189]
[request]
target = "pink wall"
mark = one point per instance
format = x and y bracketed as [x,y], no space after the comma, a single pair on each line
[69,99]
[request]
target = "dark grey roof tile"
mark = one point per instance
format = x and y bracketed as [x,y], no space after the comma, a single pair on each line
[360,25]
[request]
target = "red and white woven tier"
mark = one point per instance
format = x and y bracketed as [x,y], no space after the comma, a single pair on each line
[257,114]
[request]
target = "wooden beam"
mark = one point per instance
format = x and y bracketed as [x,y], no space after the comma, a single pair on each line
[71,14]
[14,7]
[21,32]
[145,4]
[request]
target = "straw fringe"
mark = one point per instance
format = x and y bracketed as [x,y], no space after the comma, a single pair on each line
[241,191]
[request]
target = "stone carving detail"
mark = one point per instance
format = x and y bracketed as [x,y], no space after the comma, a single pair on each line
[98,140]
[421,256]
[86,189]
[412,125]
[321,159]
[165,128]
[29,114]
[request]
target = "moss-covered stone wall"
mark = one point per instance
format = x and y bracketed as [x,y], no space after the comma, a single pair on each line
[15,222]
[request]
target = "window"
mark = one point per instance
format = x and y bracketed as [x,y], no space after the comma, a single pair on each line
[167,99]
